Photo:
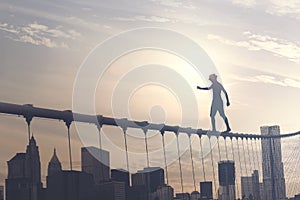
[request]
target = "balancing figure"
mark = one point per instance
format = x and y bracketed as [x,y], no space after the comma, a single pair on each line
[217,102]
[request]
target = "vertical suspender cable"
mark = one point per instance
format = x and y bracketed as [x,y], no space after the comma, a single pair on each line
[258,160]
[226,148]
[146,146]
[219,149]
[239,155]
[192,160]
[202,158]
[249,157]
[100,147]
[253,156]
[126,148]
[233,158]
[165,157]
[212,164]
[68,124]
[179,160]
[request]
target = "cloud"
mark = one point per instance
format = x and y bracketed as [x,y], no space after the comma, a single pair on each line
[39,34]
[286,7]
[270,79]
[246,3]
[256,42]
[169,3]
[143,18]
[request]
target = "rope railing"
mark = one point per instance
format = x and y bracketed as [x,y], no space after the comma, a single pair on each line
[28,111]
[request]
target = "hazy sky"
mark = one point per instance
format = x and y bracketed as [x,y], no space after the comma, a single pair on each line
[253,44]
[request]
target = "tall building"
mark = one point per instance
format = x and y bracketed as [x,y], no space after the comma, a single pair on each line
[250,186]
[164,192]
[273,174]
[95,161]
[1,193]
[70,185]
[148,179]
[206,191]
[247,187]
[24,174]
[112,190]
[54,165]
[226,171]
[121,175]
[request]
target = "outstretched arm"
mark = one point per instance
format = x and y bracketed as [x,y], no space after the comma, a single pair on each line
[203,88]
[226,95]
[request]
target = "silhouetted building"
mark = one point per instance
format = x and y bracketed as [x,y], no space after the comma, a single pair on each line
[96,162]
[121,175]
[24,175]
[273,174]
[255,185]
[226,171]
[195,195]
[206,191]
[70,185]
[182,196]
[164,192]
[54,165]
[148,179]
[247,187]
[112,190]
[296,197]
[1,193]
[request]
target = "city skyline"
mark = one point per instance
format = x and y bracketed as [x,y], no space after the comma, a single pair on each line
[251,45]
[91,165]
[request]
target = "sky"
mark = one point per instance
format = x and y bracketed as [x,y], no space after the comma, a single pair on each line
[252,45]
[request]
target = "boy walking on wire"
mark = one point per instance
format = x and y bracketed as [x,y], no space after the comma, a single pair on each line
[217,102]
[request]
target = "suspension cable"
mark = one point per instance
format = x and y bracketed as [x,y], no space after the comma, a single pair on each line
[70,149]
[239,155]
[101,149]
[258,160]
[251,169]
[192,160]
[226,148]
[146,146]
[212,164]
[179,160]
[202,158]
[219,149]
[253,156]
[165,157]
[126,149]
[233,158]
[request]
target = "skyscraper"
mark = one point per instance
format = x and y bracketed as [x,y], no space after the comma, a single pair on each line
[96,162]
[1,193]
[273,174]
[24,174]
[206,191]
[148,179]
[226,171]
[54,165]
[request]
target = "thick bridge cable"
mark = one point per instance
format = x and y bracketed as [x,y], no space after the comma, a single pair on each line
[165,157]
[192,161]
[202,158]
[28,111]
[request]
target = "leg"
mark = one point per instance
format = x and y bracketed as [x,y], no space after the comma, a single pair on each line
[222,113]
[213,112]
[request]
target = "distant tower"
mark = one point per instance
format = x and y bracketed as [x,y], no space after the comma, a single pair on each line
[96,162]
[273,174]
[54,165]
[226,170]
[24,174]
